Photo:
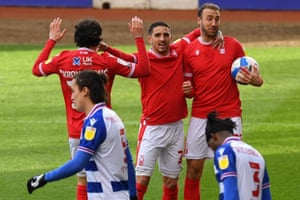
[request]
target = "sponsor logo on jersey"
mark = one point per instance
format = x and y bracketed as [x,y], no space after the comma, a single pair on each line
[89,133]
[87,60]
[76,61]
[223,162]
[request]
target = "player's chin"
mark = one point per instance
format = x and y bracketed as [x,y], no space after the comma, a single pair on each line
[163,50]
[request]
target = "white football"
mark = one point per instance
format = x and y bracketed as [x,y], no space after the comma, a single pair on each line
[244,61]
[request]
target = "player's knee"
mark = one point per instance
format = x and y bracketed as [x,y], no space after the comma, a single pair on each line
[170,182]
[195,169]
[81,180]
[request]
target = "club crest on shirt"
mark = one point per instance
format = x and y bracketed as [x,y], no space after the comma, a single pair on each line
[89,133]
[223,162]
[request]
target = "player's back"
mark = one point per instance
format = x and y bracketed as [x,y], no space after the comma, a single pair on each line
[69,63]
[250,166]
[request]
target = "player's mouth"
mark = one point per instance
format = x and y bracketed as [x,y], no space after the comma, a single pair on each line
[162,45]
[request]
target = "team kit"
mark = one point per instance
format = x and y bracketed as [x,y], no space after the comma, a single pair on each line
[203,66]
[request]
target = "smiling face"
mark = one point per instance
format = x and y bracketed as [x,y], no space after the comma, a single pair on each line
[160,39]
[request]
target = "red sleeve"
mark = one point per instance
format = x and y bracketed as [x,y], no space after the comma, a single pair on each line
[121,54]
[187,71]
[44,55]
[143,65]
[140,68]
[192,35]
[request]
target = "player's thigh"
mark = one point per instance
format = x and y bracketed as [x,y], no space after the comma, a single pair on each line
[237,131]
[148,151]
[170,159]
[196,145]
[73,145]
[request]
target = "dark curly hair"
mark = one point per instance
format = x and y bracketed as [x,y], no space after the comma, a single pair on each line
[215,124]
[87,33]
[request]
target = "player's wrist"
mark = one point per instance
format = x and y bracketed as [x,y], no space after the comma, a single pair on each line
[52,40]
[138,37]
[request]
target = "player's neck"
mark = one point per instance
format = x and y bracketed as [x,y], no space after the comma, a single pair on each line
[88,108]
[207,39]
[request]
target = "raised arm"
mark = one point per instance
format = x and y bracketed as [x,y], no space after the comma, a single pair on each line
[137,65]
[136,28]
[55,35]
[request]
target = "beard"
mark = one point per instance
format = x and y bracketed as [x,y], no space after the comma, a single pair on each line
[210,33]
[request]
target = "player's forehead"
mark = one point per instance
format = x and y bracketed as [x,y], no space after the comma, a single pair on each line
[73,83]
[161,30]
[210,12]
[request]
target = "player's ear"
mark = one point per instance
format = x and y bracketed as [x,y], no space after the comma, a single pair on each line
[198,20]
[149,39]
[85,91]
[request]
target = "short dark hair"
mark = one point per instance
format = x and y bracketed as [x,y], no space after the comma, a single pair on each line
[207,5]
[215,124]
[95,82]
[156,24]
[87,33]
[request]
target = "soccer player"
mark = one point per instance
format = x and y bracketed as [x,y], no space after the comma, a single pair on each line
[68,63]
[161,133]
[240,169]
[209,82]
[103,149]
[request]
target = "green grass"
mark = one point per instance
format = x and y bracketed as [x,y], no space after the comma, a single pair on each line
[34,139]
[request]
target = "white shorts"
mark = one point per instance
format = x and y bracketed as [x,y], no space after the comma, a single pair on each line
[196,146]
[73,144]
[163,143]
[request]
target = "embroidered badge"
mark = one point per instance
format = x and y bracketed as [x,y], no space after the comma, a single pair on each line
[223,162]
[89,133]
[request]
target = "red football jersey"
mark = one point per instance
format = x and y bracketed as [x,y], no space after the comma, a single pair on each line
[68,63]
[162,95]
[210,73]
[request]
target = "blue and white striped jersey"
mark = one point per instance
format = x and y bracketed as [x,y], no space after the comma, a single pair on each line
[241,171]
[103,136]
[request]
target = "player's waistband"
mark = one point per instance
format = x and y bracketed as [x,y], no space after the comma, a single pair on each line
[96,187]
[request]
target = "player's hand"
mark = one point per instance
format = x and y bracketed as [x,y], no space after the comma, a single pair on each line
[255,78]
[244,76]
[55,32]
[35,183]
[136,27]
[187,88]
[219,41]
[102,46]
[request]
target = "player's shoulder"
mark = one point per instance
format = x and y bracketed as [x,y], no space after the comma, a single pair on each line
[231,39]
[190,47]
